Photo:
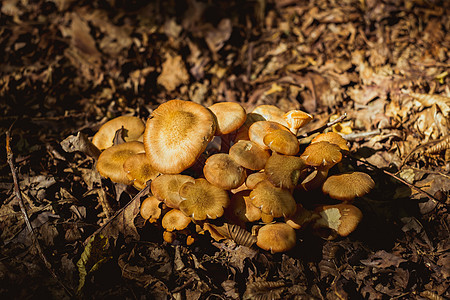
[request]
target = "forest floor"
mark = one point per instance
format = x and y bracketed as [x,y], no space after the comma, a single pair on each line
[69,66]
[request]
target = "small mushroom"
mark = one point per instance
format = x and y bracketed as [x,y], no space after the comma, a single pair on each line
[242,132]
[322,154]
[341,219]
[301,218]
[273,201]
[271,113]
[139,170]
[249,155]
[332,137]
[277,237]
[110,162]
[230,116]
[150,209]
[134,127]
[347,186]
[167,186]
[254,178]
[174,219]
[176,134]
[284,170]
[240,210]
[258,131]
[314,179]
[296,119]
[203,200]
[282,141]
[222,171]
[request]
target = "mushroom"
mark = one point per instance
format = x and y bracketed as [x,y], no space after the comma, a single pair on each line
[296,119]
[134,127]
[301,218]
[150,209]
[314,179]
[230,116]
[282,141]
[139,170]
[332,137]
[203,200]
[341,219]
[322,154]
[271,113]
[176,134]
[277,237]
[254,178]
[174,219]
[258,131]
[110,162]
[249,155]
[240,210]
[284,170]
[347,186]
[167,186]
[242,132]
[222,171]
[273,201]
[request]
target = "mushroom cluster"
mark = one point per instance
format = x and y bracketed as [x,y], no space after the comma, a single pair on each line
[221,165]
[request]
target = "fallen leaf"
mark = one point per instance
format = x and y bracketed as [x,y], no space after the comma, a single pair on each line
[173,73]
[382,259]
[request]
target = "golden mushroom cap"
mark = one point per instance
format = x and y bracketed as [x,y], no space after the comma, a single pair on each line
[296,119]
[271,113]
[284,170]
[176,134]
[249,155]
[222,171]
[166,188]
[277,237]
[236,211]
[242,132]
[111,160]
[332,137]
[174,219]
[301,218]
[230,116]
[258,131]
[139,170]
[348,186]
[315,179]
[272,200]
[150,209]
[134,127]
[322,154]
[255,178]
[282,141]
[341,218]
[203,200]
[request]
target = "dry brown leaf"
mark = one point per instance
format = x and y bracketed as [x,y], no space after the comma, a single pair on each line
[382,259]
[173,73]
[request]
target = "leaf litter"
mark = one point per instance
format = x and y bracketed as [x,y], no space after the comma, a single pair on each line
[68,67]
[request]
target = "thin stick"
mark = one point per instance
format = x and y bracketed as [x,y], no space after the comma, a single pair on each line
[431,197]
[10,158]
[321,128]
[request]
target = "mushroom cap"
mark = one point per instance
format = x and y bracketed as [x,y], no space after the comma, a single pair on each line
[150,209]
[169,237]
[174,219]
[282,141]
[105,135]
[249,155]
[314,179]
[296,119]
[332,137]
[258,131]
[240,210]
[322,154]
[342,218]
[254,178]
[203,200]
[284,170]
[139,170]
[242,133]
[271,113]
[271,200]
[277,237]
[176,134]
[301,218]
[347,186]
[230,116]
[111,160]
[222,171]
[167,186]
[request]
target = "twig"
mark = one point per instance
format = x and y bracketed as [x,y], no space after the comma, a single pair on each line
[182,287]
[10,158]
[361,135]
[135,198]
[321,128]
[431,197]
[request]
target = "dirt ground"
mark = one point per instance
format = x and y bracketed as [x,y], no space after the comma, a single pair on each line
[69,66]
